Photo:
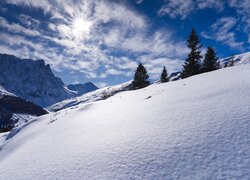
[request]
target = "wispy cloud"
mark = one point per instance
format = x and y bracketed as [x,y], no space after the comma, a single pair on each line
[177,8]
[182,9]
[17,28]
[29,21]
[96,38]
[223,31]
[216,4]
[139,1]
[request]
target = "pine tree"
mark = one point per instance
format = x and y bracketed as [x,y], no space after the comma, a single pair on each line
[226,64]
[140,78]
[210,62]
[164,75]
[192,65]
[230,62]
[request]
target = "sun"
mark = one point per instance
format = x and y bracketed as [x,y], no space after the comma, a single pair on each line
[81,26]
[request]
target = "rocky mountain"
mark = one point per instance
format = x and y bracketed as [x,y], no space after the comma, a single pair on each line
[81,89]
[31,80]
[34,81]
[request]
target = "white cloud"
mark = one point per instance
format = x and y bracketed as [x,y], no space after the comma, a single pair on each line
[243,10]
[139,1]
[223,31]
[217,4]
[156,64]
[177,8]
[225,24]
[17,28]
[85,36]
[45,5]
[101,84]
[183,8]
[29,21]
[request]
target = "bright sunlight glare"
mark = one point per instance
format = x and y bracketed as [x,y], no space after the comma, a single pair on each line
[80,27]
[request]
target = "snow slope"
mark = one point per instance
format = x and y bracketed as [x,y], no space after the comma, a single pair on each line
[240,59]
[92,96]
[196,128]
[3,92]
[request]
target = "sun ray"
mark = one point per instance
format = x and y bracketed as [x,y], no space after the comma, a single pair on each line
[81,27]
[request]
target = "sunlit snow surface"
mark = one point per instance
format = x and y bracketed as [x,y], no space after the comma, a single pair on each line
[197,128]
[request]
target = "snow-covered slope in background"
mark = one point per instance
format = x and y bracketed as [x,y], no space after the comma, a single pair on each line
[3,92]
[93,96]
[240,59]
[196,128]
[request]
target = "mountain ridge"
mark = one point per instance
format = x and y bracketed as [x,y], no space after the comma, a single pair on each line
[33,80]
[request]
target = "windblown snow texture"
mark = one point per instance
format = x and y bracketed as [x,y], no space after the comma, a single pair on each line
[196,128]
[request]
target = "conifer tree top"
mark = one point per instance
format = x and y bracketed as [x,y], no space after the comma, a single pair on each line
[210,62]
[192,64]
[193,40]
[164,75]
[140,78]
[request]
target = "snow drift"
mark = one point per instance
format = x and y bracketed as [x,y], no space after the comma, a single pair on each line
[196,128]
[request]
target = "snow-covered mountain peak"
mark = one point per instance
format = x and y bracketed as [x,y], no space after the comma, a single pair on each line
[31,80]
[34,80]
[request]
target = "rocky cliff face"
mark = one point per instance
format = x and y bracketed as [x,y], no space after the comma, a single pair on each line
[31,80]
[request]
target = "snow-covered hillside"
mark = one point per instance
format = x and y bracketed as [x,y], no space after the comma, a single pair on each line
[196,128]
[240,59]
[93,96]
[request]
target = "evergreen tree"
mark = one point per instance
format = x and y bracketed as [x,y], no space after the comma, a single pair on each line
[192,65]
[164,75]
[140,78]
[230,62]
[210,62]
[226,64]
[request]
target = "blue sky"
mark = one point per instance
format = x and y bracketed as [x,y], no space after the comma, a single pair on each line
[103,41]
